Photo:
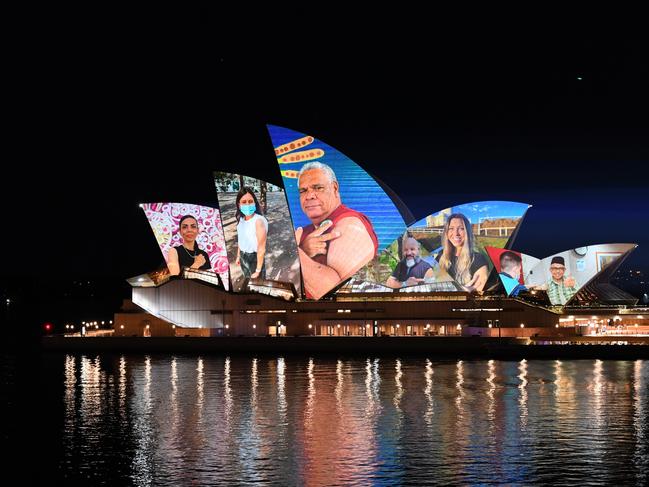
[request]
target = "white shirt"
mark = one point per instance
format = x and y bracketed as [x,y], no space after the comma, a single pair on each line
[247,233]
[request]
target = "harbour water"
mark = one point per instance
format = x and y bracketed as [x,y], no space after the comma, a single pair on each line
[106,419]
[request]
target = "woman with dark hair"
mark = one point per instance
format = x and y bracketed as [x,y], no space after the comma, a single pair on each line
[252,230]
[458,257]
[188,254]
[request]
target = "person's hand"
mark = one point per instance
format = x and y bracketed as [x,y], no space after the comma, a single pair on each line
[413,281]
[255,275]
[477,282]
[199,260]
[569,281]
[316,243]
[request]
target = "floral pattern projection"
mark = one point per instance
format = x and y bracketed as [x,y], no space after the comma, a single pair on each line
[164,219]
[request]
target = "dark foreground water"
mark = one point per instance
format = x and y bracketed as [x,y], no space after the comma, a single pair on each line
[183,420]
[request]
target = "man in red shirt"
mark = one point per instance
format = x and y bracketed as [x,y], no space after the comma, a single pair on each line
[339,240]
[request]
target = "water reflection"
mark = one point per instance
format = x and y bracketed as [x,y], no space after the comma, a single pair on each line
[143,465]
[310,400]
[428,392]
[292,421]
[200,388]
[227,393]
[459,374]
[522,400]
[491,403]
[398,392]
[640,426]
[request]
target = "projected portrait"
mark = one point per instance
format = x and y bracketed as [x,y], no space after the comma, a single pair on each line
[511,266]
[190,237]
[258,231]
[449,247]
[563,274]
[341,215]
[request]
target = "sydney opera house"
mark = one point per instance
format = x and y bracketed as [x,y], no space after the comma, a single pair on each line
[335,252]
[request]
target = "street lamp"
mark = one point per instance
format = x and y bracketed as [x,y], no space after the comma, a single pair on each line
[397,333]
[254,329]
[310,327]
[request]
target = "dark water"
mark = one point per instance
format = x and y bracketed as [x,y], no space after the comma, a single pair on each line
[165,420]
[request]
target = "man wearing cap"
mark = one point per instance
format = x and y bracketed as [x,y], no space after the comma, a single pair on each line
[560,288]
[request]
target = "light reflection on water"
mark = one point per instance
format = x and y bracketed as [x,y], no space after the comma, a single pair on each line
[212,420]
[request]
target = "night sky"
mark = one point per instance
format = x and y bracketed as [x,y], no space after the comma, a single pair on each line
[559,123]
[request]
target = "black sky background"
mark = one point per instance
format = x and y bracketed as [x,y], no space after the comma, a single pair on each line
[141,110]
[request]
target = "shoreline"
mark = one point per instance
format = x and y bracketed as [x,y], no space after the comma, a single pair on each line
[446,347]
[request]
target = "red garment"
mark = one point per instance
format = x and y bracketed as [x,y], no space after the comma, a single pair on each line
[338,214]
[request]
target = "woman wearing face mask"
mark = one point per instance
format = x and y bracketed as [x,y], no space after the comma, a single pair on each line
[252,229]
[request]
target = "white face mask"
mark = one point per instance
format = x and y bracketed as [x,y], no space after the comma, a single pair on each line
[410,261]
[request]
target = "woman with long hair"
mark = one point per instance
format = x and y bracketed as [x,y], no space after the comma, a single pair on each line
[458,258]
[252,231]
[188,254]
